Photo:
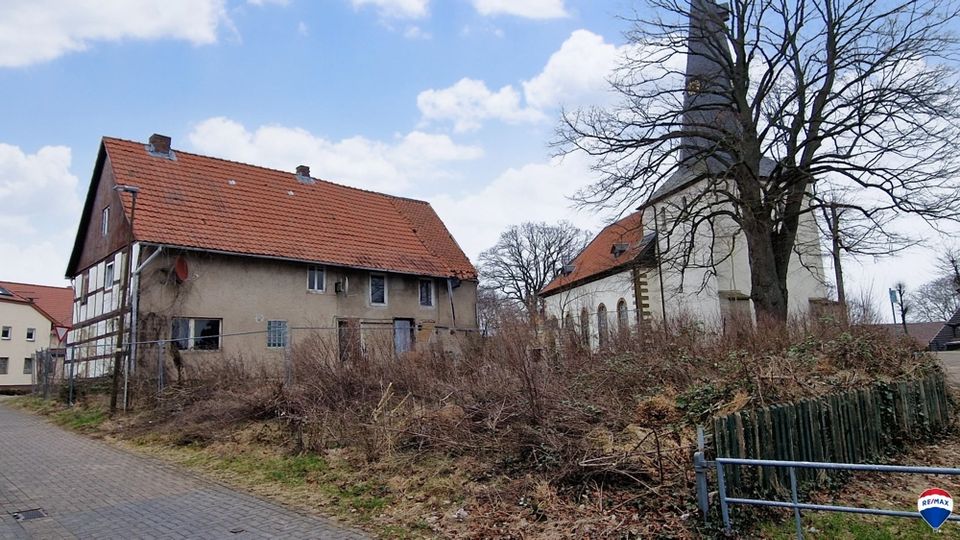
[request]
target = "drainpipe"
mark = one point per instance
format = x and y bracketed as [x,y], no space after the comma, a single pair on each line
[135,300]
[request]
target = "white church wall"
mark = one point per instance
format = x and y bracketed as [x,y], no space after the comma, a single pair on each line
[606,291]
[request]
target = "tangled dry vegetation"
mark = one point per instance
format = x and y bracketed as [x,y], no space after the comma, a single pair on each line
[511,439]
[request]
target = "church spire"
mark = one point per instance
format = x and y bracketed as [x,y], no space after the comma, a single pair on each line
[707,105]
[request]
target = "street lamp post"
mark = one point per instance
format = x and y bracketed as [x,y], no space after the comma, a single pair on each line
[118,363]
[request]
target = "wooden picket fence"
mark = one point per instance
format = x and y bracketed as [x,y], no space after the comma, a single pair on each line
[857,426]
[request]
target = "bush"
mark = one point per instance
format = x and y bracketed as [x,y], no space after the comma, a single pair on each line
[543,411]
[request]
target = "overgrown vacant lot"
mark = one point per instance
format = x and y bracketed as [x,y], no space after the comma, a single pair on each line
[505,439]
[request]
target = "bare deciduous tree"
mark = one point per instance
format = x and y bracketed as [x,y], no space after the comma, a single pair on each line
[852,230]
[936,300]
[789,98]
[527,257]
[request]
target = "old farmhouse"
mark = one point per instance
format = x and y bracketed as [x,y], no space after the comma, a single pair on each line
[214,257]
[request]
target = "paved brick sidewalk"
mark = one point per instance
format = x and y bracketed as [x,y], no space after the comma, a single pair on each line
[89,489]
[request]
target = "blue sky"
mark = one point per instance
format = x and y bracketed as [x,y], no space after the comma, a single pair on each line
[452,101]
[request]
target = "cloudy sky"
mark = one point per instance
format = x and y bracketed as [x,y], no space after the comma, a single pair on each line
[451,101]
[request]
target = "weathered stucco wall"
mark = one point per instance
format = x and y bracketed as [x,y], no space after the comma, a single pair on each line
[246,293]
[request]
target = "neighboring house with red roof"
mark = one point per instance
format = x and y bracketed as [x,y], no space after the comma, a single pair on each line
[32,318]
[229,257]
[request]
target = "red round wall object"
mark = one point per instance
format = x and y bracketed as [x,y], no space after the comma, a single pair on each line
[181,269]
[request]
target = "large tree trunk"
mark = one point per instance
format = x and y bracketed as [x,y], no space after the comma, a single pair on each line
[767,289]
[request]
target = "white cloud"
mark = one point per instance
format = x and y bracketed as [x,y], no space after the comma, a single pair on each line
[34,31]
[469,102]
[41,211]
[415,32]
[531,9]
[265,2]
[576,73]
[534,192]
[399,9]
[357,161]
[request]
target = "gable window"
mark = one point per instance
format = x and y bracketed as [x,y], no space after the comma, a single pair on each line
[602,329]
[105,221]
[6,332]
[197,334]
[28,366]
[276,334]
[4,364]
[426,292]
[108,276]
[316,279]
[378,289]
[31,334]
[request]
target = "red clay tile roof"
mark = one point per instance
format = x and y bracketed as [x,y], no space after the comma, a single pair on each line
[55,303]
[922,332]
[190,202]
[597,259]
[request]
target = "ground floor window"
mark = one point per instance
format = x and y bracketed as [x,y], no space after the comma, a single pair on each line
[276,334]
[198,334]
[28,366]
[4,364]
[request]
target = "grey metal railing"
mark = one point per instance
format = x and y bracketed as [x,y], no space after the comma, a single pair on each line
[702,466]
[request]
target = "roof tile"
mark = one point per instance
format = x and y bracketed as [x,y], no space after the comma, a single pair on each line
[189,202]
[597,258]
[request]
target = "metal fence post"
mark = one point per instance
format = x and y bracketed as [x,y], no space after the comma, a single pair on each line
[287,361]
[700,470]
[724,511]
[796,501]
[161,354]
[73,377]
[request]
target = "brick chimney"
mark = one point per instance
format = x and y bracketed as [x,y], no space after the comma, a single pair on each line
[303,170]
[160,143]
